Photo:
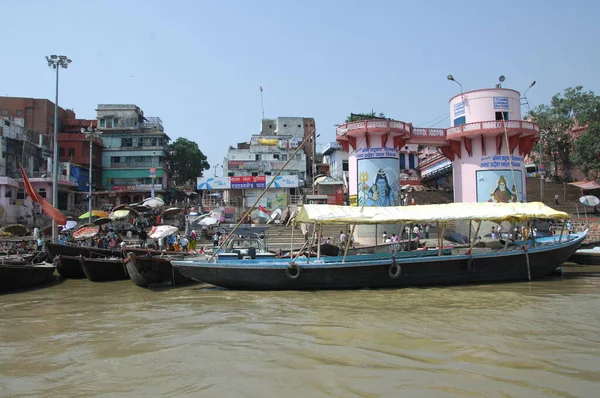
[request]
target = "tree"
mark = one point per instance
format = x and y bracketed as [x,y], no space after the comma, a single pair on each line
[559,122]
[186,161]
[354,117]
[587,152]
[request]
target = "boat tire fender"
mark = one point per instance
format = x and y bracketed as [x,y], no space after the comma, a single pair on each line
[394,270]
[293,271]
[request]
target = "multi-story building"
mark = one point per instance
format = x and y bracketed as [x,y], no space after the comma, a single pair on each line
[32,150]
[250,166]
[34,114]
[74,147]
[134,156]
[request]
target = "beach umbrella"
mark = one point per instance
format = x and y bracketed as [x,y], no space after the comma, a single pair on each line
[208,221]
[162,231]
[86,232]
[589,200]
[171,211]
[69,225]
[101,221]
[119,214]
[153,202]
[15,230]
[95,213]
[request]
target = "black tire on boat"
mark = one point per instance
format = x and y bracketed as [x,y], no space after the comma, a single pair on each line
[394,270]
[293,271]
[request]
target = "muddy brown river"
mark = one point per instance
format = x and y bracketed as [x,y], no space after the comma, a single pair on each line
[81,339]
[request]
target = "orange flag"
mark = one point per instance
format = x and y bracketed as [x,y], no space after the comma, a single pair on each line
[52,211]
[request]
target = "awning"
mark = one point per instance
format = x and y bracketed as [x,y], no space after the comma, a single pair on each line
[485,211]
[586,185]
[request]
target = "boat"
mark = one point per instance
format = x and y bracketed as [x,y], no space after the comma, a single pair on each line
[103,269]
[586,256]
[69,267]
[508,263]
[148,271]
[249,247]
[22,276]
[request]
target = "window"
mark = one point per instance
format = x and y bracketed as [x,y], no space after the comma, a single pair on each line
[276,156]
[140,141]
[19,113]
[460,120]
[115,159]
[126,142]
[344,165]
[8,193]
[285,125]
[402,162]
[284,157]
[501,116]
[299,125]
[21,194]
[42,192]
[257,157]
[254,173]
[61,151]
[411,161]
[102,123]
[154,141]
[270,126]
[109,123]
[71,152]
[115,122]
[4,112]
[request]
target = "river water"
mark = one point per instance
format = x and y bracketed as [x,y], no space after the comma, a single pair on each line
[82,339]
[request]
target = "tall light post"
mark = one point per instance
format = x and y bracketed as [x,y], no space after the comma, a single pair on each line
[56,62]
[452,79]
[314,156]
[153,174]
[90,133]
[215,167]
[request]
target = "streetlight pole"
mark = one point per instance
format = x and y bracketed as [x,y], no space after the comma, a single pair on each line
[56,62]
[90,133]
[215,167]
[153,175]
[314,155]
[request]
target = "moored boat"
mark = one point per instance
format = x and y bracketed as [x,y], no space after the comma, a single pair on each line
[69,267]
[509,263]
[146,271]
[22,276]
[586,256]
[103,269]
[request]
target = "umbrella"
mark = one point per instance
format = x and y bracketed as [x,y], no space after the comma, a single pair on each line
[140,208]
[153,202]
[162,231]
[70,224]
[589,200]
[119,214]
[101,221]
[208,221]
[15,229]
[86,232]
[95,213]
[172,211]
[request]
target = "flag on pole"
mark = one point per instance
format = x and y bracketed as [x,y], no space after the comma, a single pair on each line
[260,88]
[52,211]
[262,212]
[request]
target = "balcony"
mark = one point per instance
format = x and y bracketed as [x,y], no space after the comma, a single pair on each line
[491,127]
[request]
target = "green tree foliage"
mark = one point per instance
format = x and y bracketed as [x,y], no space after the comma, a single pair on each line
[186,161]
[587,152]
[566,112]
[354,117]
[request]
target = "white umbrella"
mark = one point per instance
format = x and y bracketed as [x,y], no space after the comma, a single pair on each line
[162,231]
[208,221]
[590,200]
[153,202]
[70,224]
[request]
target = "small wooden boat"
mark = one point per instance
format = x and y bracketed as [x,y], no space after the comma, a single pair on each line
[103,269]
[586,256]
[16,277]
[146,271]
[69,267]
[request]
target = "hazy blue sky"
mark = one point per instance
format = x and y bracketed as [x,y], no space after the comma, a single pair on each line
[199,64]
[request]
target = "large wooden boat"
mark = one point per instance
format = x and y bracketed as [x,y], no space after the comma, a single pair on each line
[509,263]
[147,271]
[69,267]
[103,269]
[22,276]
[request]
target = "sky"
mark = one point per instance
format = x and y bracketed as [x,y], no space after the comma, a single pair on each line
[198,65]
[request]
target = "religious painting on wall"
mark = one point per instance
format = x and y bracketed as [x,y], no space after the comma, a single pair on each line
[378,177]
[498,186]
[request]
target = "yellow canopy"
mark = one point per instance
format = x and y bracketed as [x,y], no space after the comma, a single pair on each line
[485,211]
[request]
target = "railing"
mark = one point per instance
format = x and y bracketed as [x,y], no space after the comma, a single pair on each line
[428,132]
[134,165]
[373,125]
[492,125]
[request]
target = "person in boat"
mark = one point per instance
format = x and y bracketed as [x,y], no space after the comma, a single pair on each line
[384,237]
[342,238]
[23,244]
[193,238]
[394,238]
[380,193]
[501,194]
[183,242]
[215,240]
[40,242]
[143,236]
[493,234]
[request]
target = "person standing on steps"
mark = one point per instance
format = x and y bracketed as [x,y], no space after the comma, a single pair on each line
[556,199]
